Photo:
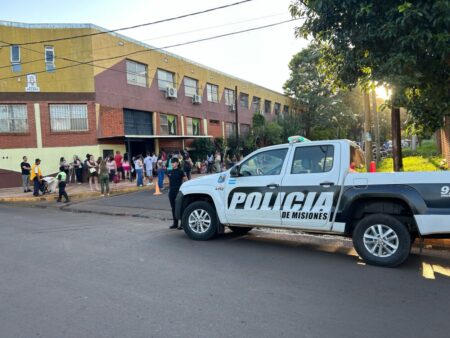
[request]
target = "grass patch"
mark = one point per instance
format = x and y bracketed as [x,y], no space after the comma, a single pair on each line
[427,148]
[411,163]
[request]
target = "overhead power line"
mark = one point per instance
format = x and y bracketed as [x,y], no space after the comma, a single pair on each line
[132,27]
[65,57]
[91,63]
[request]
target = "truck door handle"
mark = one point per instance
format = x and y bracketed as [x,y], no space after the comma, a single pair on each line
[272,185]
[325,184]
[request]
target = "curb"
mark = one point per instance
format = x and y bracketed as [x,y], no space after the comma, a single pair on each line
[53,197]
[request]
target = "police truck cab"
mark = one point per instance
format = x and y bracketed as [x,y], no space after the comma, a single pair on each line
[311,186]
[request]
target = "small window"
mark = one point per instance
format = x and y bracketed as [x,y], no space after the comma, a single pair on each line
[243,100]
[256,104]
[136,73]
[15,54]
[277,108]
[212,92]
[229,97]
[265,163]
[165,79]
[68,117]
[13,118]
[49,58]
[285,109]
[313,159]
[168,124]
[193,126]
[214,121]
[190,87]
[267,107]
[230,129]
[244,130]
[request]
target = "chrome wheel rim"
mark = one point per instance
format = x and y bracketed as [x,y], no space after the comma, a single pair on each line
[199,221]
[381,240]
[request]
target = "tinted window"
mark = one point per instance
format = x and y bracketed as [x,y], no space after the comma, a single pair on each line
[265,163]
[312,160]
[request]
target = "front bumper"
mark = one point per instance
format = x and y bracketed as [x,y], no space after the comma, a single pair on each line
[179,205]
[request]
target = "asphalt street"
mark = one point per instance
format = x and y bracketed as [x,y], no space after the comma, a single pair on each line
[65,274]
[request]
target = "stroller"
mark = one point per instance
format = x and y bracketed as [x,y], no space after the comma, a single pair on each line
[48,185]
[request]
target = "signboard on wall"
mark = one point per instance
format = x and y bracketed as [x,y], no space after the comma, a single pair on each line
[32,83]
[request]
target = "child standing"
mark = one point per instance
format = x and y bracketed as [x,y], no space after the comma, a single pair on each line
[61,177]
[176,178]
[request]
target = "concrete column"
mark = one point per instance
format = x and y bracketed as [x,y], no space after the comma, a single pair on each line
[37,118]
[205,127]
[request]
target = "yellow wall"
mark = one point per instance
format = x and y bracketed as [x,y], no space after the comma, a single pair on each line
[50,156]
[74,79]
[81,78]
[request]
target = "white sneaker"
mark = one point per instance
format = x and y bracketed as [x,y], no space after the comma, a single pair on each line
[149,184]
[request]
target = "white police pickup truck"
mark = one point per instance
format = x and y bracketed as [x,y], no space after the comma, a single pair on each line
[310,186]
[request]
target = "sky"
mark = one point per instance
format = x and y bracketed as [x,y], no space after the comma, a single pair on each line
[261,56]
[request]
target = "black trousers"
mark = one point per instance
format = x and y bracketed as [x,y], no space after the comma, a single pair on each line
[172,196]
[62,191]
[79,174]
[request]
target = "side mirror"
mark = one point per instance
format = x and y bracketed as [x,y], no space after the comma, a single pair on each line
[234,172]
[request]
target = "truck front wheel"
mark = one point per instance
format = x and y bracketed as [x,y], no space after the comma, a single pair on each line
[199,221]
[382,240]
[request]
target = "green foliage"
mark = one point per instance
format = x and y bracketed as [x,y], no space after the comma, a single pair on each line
[403,43]
[263,133]
[427,148]
[412,163]
[326,111]
[201,148]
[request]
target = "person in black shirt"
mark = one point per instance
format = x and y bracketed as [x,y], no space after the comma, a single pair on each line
[25,168]
[176,179]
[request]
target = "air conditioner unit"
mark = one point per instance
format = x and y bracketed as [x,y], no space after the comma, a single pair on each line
[196,99]
[232,108]
[171,93]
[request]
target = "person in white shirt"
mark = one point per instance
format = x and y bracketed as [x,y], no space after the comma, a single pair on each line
[148,163]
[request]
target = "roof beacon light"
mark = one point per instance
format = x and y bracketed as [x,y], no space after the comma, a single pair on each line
[295,139]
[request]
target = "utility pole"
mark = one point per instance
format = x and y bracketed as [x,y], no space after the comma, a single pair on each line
[376,124]
[367,128]
[236,110]
[396,139]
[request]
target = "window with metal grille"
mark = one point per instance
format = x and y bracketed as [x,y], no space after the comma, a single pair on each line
[168,124]
[267,106]
[256,104]
[244,130]
[136,73]
[243,100]
[190,87]
[192,126]
[165,79]
[277,108]
[230,129]
[229,97]
[13,118]
[68,117]
[212,92]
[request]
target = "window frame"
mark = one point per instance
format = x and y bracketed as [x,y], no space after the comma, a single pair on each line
[275,110]
[186,87]
[269,103]
[11,54]
[166,116]
[226,95]
[327,155]
[11,118]
[241,96]
[71,117]
[254,108]
[190,125]
[286,149]
[210,92]
[136,74]
[172,84]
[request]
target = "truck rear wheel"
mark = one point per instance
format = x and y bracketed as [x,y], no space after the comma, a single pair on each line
[382,240]
[240,230]
[199,221]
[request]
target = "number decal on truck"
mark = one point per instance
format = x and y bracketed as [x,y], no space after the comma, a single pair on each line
[445,191]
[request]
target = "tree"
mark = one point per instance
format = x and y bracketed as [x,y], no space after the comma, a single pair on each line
[264,133]
[325,110]
[201,148]
[403,43]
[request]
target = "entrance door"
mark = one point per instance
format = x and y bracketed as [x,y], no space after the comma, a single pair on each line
[253,197]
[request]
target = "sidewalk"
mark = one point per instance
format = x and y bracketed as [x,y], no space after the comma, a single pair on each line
[75,191]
